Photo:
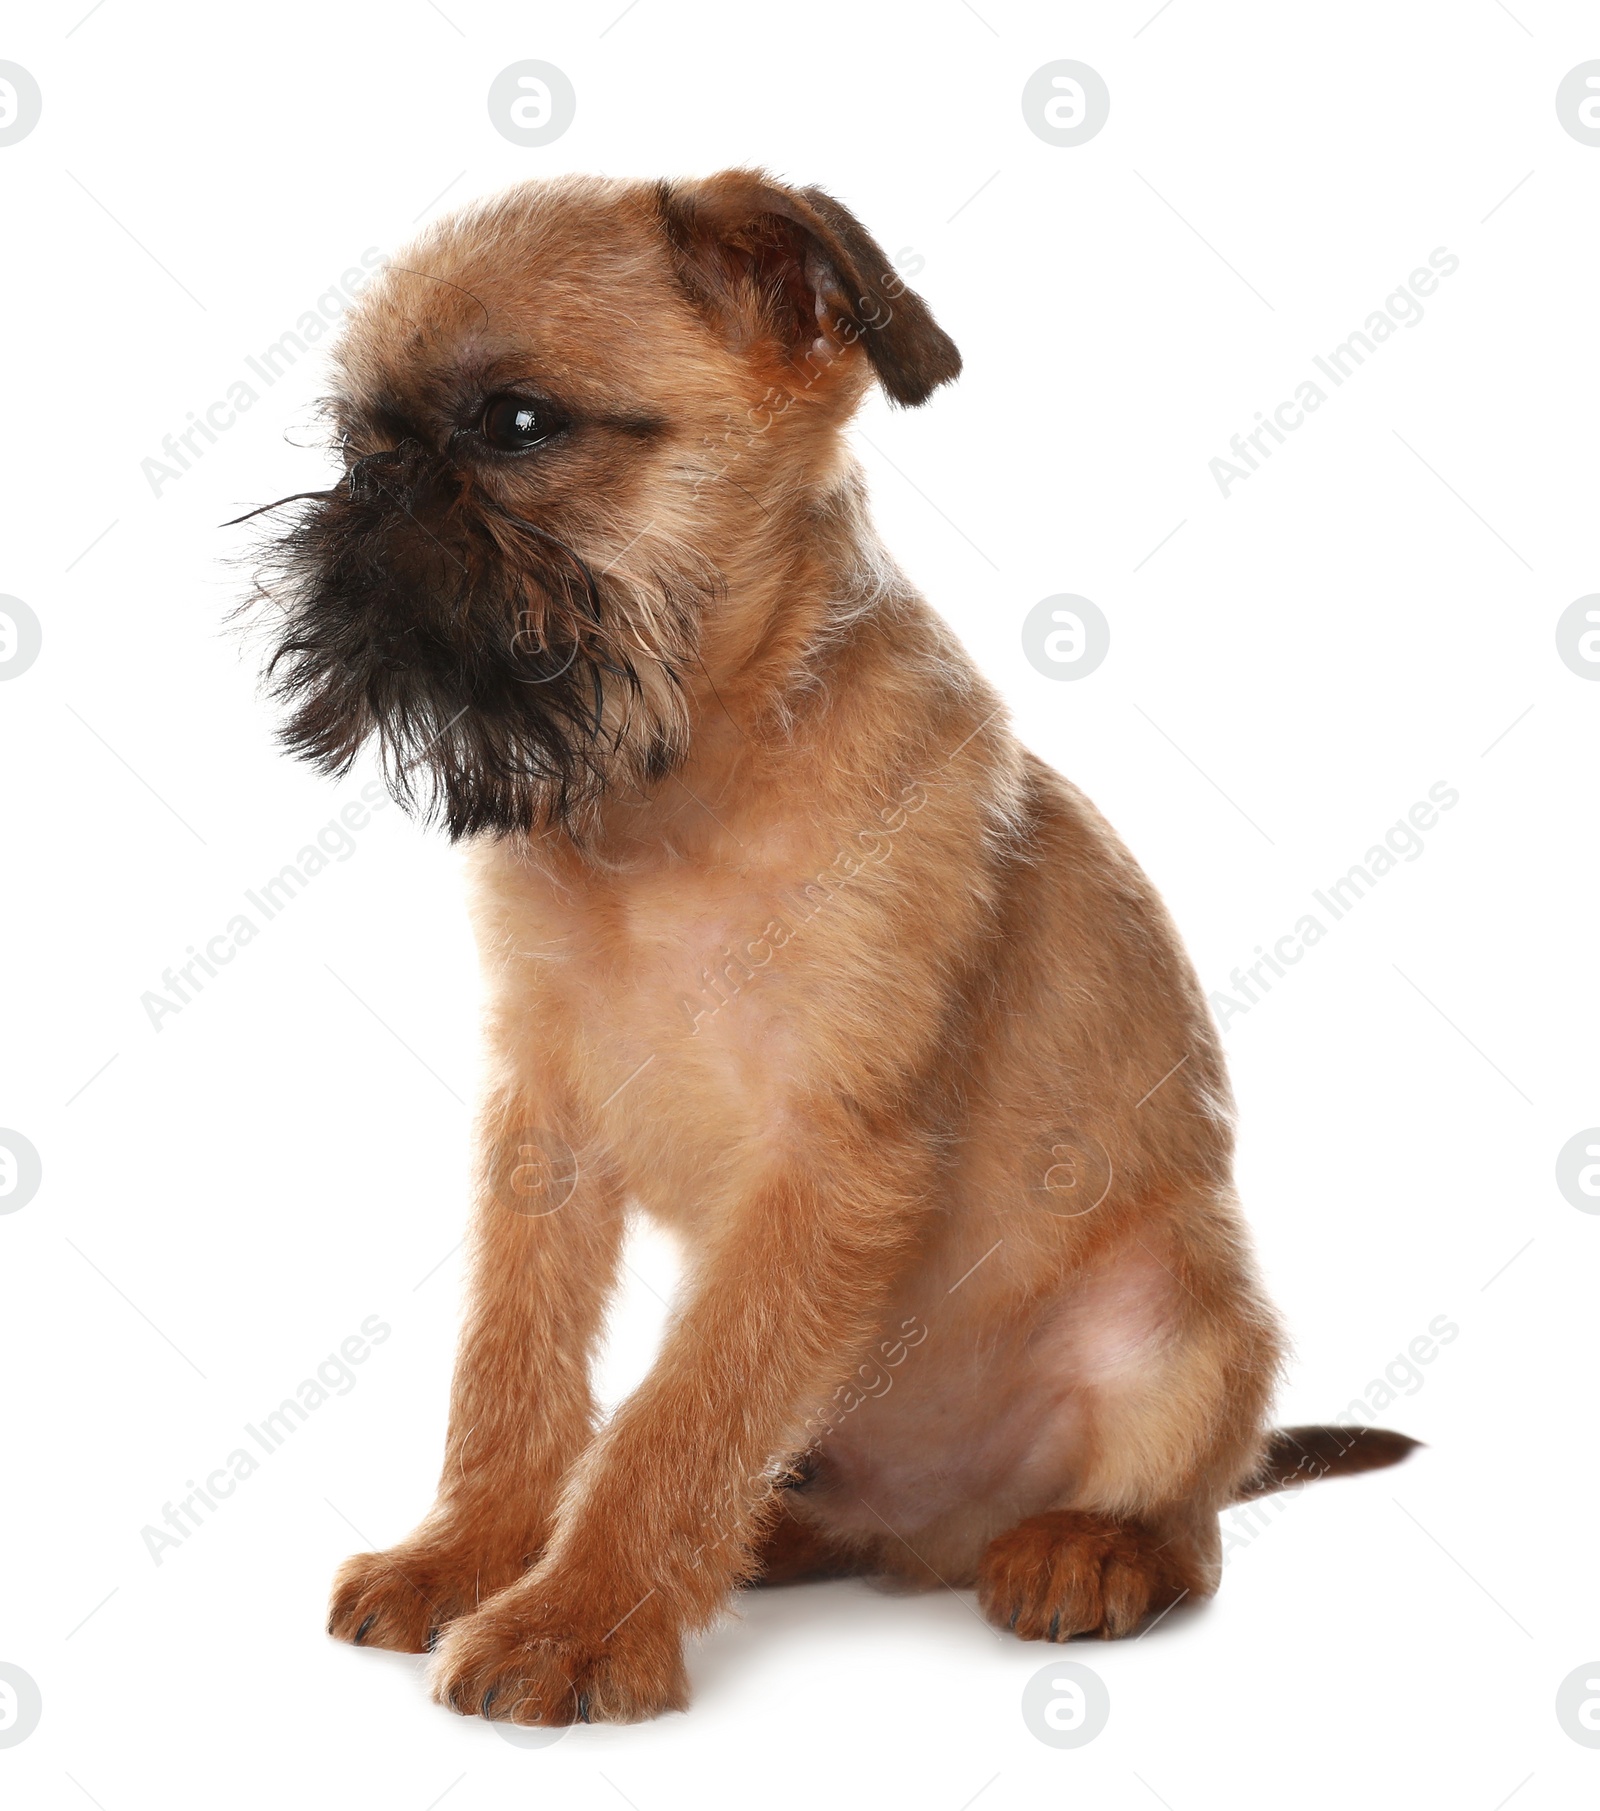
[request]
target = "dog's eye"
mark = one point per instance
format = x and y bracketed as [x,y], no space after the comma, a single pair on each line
[514,425]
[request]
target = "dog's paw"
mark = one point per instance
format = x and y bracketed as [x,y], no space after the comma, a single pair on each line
[403,1598]
[1068,1573]
[521,1660]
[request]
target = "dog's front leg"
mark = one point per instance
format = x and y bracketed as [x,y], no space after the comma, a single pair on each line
[545,1246]
[665,1508]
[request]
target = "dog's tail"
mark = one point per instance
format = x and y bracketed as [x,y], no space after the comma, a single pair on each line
[1301,1455]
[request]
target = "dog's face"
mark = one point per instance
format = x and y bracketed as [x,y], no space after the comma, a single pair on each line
[572,420]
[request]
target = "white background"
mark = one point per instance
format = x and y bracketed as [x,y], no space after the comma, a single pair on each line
[1369,614]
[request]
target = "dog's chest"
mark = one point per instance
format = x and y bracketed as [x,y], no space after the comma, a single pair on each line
[702,957]
[680,982]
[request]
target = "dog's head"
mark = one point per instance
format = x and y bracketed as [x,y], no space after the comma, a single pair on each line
[572,420]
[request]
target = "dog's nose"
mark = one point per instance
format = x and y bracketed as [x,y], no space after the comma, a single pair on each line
[376,474]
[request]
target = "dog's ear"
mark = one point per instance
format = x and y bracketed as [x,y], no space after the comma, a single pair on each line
[790,267]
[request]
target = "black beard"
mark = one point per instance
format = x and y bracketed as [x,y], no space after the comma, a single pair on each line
[507,685]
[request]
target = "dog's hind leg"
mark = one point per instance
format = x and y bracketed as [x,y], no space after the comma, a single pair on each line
[1072,1572]
[795,1552]
[1173,1359]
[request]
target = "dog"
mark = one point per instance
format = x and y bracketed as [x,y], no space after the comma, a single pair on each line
[787,942]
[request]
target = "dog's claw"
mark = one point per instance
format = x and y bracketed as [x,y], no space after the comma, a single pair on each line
[583,1707]
[361,1633]
[488,1699]
[1055,1627]
[433,1640]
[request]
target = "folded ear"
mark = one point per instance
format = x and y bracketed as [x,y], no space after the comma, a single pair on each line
[792,267]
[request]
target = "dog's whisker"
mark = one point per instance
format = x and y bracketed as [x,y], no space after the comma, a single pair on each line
[304,496]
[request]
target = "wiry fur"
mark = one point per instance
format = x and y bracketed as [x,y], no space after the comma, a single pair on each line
[851,991]
[505,682]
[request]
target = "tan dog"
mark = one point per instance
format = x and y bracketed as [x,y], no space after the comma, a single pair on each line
[790,944]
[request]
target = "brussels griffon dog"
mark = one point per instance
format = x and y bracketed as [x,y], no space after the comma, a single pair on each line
[789,944]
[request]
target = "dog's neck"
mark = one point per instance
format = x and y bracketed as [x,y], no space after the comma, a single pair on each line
[788,654]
